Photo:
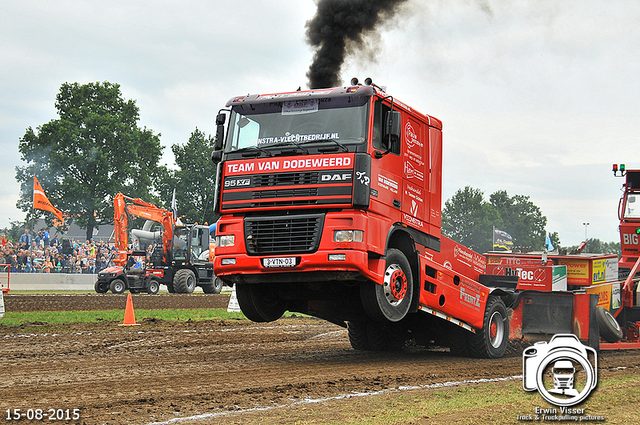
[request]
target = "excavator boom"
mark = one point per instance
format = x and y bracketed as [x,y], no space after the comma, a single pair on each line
[124,206]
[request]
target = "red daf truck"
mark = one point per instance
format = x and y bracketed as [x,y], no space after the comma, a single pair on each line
[330,205]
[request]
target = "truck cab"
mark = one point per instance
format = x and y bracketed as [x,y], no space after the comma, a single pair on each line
[327,199]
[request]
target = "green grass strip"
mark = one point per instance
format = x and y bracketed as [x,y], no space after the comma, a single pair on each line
[63,317]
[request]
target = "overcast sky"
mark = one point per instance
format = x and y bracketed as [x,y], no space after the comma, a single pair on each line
[538,98]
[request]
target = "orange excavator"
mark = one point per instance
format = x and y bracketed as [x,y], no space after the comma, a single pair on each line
[178,258]
[143,209]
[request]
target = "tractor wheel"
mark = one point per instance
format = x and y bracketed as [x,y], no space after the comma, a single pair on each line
[260,303]
[184,282]
[117,286]
[608,326]
[101,287]
[213,288]
[491,341]
[217,286]
[391,301]
[358,335]
[153,287]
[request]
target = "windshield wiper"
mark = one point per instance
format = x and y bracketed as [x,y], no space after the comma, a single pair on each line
[290,142]
[247,151]
[340,145]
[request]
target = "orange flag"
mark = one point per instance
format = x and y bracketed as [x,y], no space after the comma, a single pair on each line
[41,202]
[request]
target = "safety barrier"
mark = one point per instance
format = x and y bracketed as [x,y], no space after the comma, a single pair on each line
[52,282]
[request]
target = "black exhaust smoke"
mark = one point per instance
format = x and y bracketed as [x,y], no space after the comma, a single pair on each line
[338,27]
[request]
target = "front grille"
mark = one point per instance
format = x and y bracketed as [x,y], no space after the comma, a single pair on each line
[286,193]
[283,234]
[285,179]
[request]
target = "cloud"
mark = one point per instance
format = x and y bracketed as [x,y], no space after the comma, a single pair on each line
[547,91]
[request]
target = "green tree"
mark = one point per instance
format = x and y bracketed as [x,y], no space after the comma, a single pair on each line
[94,150]
[521,219]
[193,181]
[468,219]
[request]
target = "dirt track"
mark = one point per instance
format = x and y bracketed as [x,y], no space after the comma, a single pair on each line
[160,371]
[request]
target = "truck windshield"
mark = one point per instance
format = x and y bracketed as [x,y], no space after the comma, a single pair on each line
[632,204]
[336,122]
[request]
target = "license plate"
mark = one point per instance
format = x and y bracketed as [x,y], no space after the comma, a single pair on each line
[279,262]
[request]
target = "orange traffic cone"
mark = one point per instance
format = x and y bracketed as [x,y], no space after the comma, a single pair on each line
[129,315]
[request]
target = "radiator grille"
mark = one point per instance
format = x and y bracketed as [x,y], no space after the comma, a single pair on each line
[283,235]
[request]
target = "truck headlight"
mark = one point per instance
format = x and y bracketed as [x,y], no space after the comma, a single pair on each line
[348,235]
[225,240]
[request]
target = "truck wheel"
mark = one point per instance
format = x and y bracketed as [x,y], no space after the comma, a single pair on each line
[153,287]
[458,342]
[385,337]
[260,303]
[491,341]
[184,282]
[117,286]
[390,301]
[608,326]
[358,335]
[101,287]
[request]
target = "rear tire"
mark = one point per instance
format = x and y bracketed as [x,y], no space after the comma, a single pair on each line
[117,286]
[608,326]
[184,282]
[391,301]
[153,287]
[358,335]
[491,341]
[458,342]
[260,303]
[213,288]
[217,285]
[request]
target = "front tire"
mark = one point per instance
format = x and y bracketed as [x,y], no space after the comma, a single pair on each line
[491,341]
[260,303]
[101,287]
[184,282]
[391,301]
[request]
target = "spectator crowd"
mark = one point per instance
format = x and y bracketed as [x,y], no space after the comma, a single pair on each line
[41,254]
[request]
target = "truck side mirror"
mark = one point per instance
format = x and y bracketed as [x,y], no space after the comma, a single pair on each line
[393,124]
[216,156]
[220,119]
[393,128]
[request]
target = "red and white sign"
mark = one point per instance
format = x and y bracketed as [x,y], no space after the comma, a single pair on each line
[268,165]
